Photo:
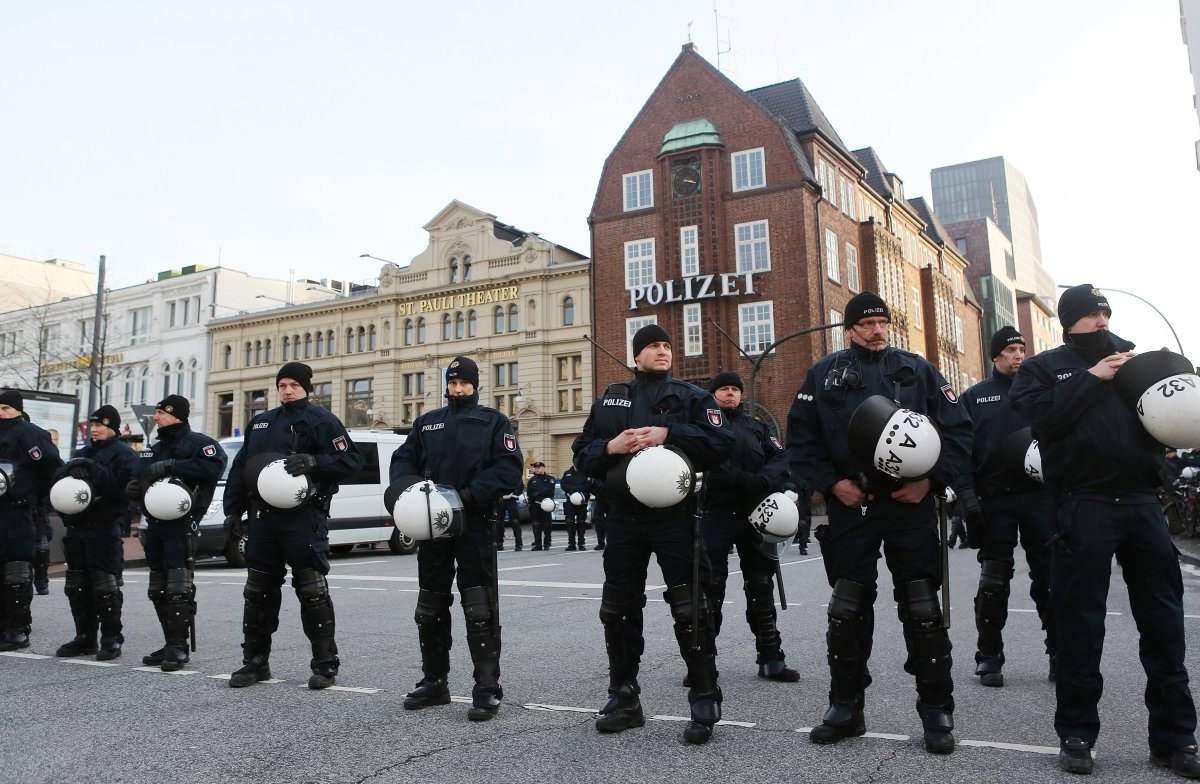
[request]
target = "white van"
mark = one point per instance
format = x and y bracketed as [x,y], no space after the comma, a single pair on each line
[356,515]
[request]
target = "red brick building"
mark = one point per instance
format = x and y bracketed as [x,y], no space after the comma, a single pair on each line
[724,212]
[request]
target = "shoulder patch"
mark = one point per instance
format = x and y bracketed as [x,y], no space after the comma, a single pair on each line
[775,443]
[340,444]
[949,393]
[210,450]
[35,453]
[510,442]
[715,418]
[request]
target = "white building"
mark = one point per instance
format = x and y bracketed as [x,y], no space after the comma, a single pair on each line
[1189,21]
[153,339]
[29,283]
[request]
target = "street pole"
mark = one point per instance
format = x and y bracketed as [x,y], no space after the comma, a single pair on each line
[94,380]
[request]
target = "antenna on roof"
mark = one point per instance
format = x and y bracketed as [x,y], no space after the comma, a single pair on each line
[717,26]
[689,31]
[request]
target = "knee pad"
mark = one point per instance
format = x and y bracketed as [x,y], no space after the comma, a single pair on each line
[760,592]
[260,585]
[994,577]
[617,603]
[918,606]
[104,583]
[679,597]
[16,572]
[179,584]
[850,601]
[75,582]
[477,606]
[157,588]
[310,585]
[431,605]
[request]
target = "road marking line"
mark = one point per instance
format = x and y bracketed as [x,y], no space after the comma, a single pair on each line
[19,655]
[357,563]
[237,584]
[361,588]
[532,566]
[522,595]
[722,723]
[164,672]
[584,598]
[876,735]
[1010,746]
[537,706]
[90,663]
[227,675]
[461,699]
[352,689]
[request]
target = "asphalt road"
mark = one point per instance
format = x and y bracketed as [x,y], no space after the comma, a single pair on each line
[68,720]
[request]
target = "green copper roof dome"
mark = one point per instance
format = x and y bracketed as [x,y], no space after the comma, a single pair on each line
[692,133]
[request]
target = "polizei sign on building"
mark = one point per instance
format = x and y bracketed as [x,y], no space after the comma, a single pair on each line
[697,287]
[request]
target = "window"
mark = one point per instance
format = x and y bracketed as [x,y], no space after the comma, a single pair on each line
[225,415]
[267,351]
[372,338]
[569,386]
[308,343]
[453,269]
[359,402]
[832,268]
[756,323]
[748,170]
[693,332]
[505,374]
[916,308]
[512,318]
[838,339]
[689,250]
[852,281]
[414,384]
[139,326]
[322,395]
[420,330]
[85,335]
[256,403]
[178,378]
[287,345]
[639,190]
[753,247]
[129,387]
[166,372]
[639,263]
[362,342]
[568,311]
[193,373]
[249,354]
[408,332]
[466,268]
[258,352]
[349,341]
[497,320]
[331,348]
[961,244]
[632,325]
[471,323]
[459,325]
[848,197]
[959,342]
[8,343]
[51,335]
[144,385]
[445,326]
[227,360]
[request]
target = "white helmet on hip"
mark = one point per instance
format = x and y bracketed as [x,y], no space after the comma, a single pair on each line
[547,504]
[7,470]
[168,499]
[659,477]
[776,518]
[1189,473]
[71,496]
[281,490]
[898,442]
[1019,454]
[1164,390]
[576,498]
[426,511]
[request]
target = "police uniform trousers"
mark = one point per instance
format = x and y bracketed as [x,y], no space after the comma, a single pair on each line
[1091,533]
[1028,517]
[508,516]
[95,560]
[170,553]
[630,543]
[275,540]
[16,554]
[576,517]
[723,531]
[850,548]
[540,520]
[468,557]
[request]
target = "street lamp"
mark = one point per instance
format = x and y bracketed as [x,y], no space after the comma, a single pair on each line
[756,362]
[274,299]
[1178,342]
[369,256]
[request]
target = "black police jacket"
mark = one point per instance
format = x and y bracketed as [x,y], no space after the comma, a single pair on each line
[574,482]
[34,459]
[818,448]
[113,464]
[1091,442]
[199,462]
[987,404]
[464,445]
[694,422]
[539,488]
[297,427]
[757,466]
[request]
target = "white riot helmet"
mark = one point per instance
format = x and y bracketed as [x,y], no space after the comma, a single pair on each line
[576,498]
[1164,390]
[425,511]
[547,504]
[659,477]
[1189,473]
[776,518]
[71,496]
[168,499]
[281,490]
[7,470]
[895,441]
[1019,454]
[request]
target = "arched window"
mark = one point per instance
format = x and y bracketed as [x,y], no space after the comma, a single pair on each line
[179,377]
[267,350]
[568,312]
[458,325]
[512,318]
[420,330]
[372,337]
[466,268]
[108,387]
[446,326]
[307,345]
[329,345]
[249,353]
[320,344]
[193,374]
[166,370]
[471,323]
[129,388]
[362,340]
[349,340]
[408,332]
[287,344]
[497,320]
[227,363]
[453,269]
[258,352]
[144,384]
[295,347]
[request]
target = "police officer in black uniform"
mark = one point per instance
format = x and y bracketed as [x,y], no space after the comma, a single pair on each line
[508,515]
[867,509]
[1001,503]
[539,488]
[576,514]
[198,461]
[92,544]
[599,511]
[28,460]
[473,449]
[1102,467]
[317,445]
[757,466]
[650,410]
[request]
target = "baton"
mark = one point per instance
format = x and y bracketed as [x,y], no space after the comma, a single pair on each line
[942,524]
[696,533]
[779,584]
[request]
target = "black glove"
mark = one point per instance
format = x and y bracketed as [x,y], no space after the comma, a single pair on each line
[235,529]
[159,469]
[134,490]
[78,468]
[751,483]
[973,516]
[298,464]
[467,498]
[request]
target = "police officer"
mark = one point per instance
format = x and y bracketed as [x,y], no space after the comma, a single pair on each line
[473,449]
[1102,468]
[540,487]
[804,496]
[508,515]
[198,461]
[599,511]
[316,445]
[576,514]
[28,461]
[756,467]
[867,509]
[1001,503]
[92,544]
[650,410]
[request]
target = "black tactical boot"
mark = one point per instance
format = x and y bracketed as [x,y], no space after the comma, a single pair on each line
[623,710]
[988,669]
[1181,762]
[80,646]
[776,670]
[251,672]
[1075,756]
[154,658]
[14,640]
[429,691]
[840,721]
[939,725]
[324,675]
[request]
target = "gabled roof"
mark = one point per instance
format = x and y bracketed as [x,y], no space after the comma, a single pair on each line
[876,175]
[792,103]
[934,227]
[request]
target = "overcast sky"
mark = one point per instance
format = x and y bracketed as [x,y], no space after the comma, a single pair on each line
[296,135]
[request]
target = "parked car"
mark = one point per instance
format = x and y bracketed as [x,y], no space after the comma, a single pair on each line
[356,516]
